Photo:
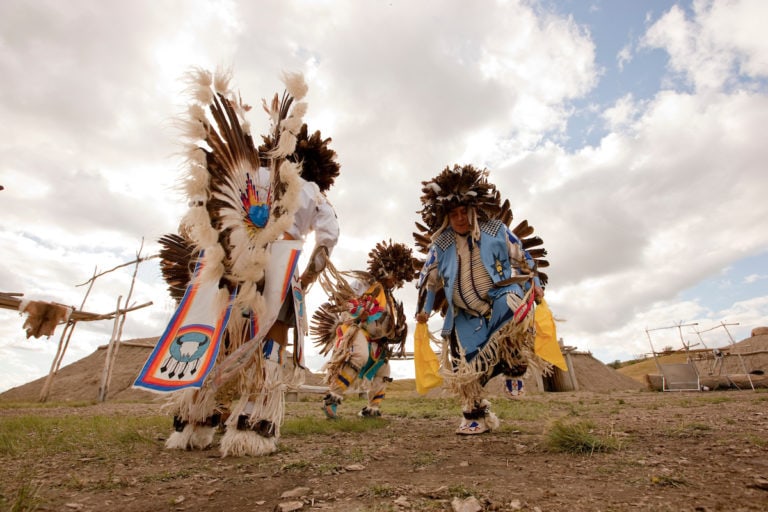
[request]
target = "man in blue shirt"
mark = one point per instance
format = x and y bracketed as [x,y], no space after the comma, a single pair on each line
[480,277]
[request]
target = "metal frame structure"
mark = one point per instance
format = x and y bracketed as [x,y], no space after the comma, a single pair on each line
[718,356]
[677,376]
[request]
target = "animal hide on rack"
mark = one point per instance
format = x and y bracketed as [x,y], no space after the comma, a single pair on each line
[43,317]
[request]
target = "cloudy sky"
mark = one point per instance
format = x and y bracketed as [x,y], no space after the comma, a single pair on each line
[629,133]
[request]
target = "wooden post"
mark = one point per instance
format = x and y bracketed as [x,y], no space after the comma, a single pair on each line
[54,366]
[741,360]
[571,371]
[106,372]
[9,300]
[117,332]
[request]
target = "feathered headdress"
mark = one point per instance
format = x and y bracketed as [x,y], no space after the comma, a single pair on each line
[462,185]
[315,158]
[393,260]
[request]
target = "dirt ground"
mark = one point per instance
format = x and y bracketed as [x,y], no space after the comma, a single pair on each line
[679,451]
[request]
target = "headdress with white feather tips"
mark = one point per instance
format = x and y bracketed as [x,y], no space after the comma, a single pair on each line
[458,186]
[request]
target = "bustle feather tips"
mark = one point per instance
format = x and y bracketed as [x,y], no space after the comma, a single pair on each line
[221,158]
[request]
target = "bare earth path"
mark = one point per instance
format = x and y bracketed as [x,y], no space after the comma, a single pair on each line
[678,451]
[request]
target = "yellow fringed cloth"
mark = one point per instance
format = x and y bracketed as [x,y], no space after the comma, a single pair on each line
[425,361]
[546,345]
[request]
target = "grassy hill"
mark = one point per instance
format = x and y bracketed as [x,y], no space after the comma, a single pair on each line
[640,368]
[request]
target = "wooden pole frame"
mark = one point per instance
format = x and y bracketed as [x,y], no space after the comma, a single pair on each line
[119,315]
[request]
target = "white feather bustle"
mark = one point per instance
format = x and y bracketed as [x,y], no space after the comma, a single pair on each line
[249,248]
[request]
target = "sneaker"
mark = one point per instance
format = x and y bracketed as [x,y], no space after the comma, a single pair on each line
[472,427]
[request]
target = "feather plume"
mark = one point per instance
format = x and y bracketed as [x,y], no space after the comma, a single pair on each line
[177,260]
[323,326]
[392,260]
[295,84]
[200,81]
[221,81]
[285,145]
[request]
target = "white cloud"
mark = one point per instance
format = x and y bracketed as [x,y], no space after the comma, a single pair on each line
[624,56]
[721,42]
[621,113]
[753,278]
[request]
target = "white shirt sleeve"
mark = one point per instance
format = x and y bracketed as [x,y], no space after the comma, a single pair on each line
[326,225]
[316,214]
